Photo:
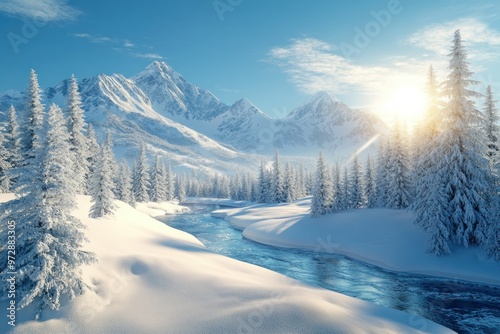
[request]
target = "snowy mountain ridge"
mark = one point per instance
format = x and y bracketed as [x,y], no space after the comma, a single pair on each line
[159,106]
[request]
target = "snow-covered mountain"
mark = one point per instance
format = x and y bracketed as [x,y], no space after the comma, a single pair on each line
[116,104]
[326,123]
[194,129]
[321,123]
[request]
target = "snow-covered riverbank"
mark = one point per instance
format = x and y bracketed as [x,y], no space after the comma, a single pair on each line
[383,237]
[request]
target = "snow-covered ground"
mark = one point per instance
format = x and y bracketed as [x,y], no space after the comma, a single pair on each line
[383,237]
[151,278]
[158,209]
[216,201]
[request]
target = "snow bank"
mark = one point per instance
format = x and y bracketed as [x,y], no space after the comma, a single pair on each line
[383,237]
[151,278]
[216,201]
[159,209]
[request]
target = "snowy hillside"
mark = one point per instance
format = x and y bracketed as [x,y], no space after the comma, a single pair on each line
[151,278]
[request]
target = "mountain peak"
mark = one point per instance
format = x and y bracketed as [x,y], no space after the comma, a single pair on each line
[319,106]
[324,96]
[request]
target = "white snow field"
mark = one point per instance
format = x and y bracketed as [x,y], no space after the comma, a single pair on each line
[383,237]
[151,279]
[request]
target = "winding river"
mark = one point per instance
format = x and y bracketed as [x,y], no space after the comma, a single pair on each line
[463,307]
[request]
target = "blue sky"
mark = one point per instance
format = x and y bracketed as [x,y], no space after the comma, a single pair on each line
[275,53]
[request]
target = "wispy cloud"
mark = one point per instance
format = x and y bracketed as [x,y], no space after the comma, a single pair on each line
[148,55]
[119,44]
[128,44]
[482,41]
[95,38]
[46,10]
[313,66]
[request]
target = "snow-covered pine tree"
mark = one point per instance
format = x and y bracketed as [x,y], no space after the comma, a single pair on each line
[234,186]
[13,144]
[141,183]
[345,193]
[76,126]
[370,184]
[290,184]
[158,182]
[278,181]
[356,193]
[33,127]
[124,185]
[49,237]
[338,191]
[263,185]
[323,191]
[170,183]
[382,177]
[246,190]
[425,159]
[181,187]
[93,152]
[301,182]
[5,166]
[102,186]
[463,168]
[398,191]
[492,130]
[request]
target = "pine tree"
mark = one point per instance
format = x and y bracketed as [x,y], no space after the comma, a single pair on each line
[338,190]
[141,183]
[76,126]
[290,184]
[463,168]
[301,182]
[382,178]
[170,181]
[124,185]
[345,194]
[13,145]
[426,162]
[323,191]
[93,152]
[49,238]
[158,182]
[262,189]
[370,184]
[356,185]
[181,188]
[102,185]
[492,129]
[33,127]
[278,181]
[493,154]
[5,166]
[398,191]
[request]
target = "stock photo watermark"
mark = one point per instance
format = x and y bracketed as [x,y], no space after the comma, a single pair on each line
[11,273]
[364,35]
[28,30]
[221,7]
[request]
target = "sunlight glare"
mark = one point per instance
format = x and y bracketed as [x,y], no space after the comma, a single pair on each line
[406,102]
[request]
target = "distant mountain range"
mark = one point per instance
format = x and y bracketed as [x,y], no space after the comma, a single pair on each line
[195,130]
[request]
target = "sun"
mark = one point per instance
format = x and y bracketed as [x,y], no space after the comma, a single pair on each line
[407,103]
